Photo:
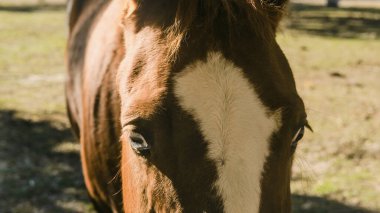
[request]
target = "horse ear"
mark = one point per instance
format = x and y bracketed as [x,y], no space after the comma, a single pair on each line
[129,7]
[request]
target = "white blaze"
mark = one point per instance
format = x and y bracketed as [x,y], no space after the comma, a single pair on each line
[235,124]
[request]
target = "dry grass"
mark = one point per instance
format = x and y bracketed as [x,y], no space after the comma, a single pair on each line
[338,76]
[39,161]
[338,79]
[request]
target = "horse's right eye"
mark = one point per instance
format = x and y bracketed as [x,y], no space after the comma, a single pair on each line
[297,137]
[139,144]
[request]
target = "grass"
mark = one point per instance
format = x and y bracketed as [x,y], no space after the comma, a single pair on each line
[337,75]
[340,159]
[337,71]
[31,59]
[39,160]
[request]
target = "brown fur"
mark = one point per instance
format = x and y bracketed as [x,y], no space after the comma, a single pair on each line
[122,56]
[260,16]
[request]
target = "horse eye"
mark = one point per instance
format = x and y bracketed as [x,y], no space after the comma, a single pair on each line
[298,136]
[139,144]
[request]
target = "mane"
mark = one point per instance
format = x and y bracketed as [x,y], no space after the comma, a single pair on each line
[261,16]
[77,9]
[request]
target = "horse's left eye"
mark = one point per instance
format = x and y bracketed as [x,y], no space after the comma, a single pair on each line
[297,137]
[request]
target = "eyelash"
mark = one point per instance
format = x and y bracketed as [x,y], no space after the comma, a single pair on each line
[298,136]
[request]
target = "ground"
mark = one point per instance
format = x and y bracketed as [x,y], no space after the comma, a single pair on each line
[334,54]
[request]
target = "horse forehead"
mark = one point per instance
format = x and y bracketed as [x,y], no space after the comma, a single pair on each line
[235,124]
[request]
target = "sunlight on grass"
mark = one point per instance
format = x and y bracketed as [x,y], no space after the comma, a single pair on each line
[325,188]
[41,158]
[31,61]
[338,79]
[67,147]
[309,53]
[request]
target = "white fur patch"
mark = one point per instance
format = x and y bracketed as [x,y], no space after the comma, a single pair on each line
[235,124]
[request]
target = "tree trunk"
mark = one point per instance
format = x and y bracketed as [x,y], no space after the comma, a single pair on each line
[332,3]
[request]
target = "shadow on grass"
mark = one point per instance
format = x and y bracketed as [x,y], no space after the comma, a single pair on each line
[312,204]
[336,22]
[32,7]
[34,176]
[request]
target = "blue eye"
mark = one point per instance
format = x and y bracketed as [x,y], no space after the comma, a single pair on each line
[297,137]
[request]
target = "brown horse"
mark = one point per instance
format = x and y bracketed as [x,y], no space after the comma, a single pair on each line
[182,105]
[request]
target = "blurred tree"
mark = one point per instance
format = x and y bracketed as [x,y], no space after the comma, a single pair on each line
[332,3]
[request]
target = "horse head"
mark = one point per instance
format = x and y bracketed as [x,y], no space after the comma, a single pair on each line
[210,114]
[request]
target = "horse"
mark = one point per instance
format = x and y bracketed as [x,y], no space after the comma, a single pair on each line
[182,105]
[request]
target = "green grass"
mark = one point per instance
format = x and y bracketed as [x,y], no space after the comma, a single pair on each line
[337,72]
[40,166]
[337,76]
[31,61]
